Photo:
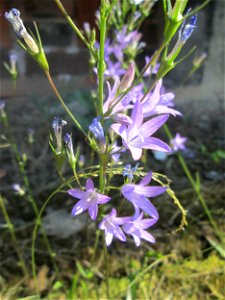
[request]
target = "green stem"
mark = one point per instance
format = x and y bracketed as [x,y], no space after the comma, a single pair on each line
[101,69]
[106,270]
[13,236]
[63,103]
[196,188]
[34,235]
[70,21]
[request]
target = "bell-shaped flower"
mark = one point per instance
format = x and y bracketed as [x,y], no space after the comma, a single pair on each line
[89,200]
[111,225]
[137,194]
[136,228]
[114,107]
[137,136]
[158,102]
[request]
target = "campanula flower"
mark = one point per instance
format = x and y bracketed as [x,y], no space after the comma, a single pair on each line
[158,102]
[89,200]
[178,142]
[137,194]
[114,107]
[111,225]
[136,227]
[137,136]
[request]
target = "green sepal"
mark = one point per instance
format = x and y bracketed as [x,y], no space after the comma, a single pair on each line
[41,60]
[59,157]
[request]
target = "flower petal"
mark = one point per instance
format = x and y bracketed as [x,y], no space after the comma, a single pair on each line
[90,185]
[135,152]
[76,193]
[151,126]
[93,211]
[137,115]
[103,199]
[144,204]
[80,207]
[156,144]
[147,236]
[146,180]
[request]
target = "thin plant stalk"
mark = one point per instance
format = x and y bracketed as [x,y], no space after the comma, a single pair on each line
[196,188]
[21,165]
[101,69]
[63,103]
[106,271]
[11,229]
[35,231]
[73,25]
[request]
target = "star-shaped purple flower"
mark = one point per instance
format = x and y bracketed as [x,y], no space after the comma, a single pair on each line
[111,224]
[136,227]
[89,200]
[137,194]
[178,142]
[137,136]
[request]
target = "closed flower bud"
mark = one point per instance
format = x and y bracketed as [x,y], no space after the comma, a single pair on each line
[128,78]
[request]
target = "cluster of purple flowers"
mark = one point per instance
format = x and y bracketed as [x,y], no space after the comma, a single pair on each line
[125,42]
[136,117]
[135,225]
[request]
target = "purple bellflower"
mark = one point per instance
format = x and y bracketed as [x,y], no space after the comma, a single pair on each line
[137,194]
[158,102]
[178,142]
[137,136]
[89,200]
[115,108]
[136,227]
[111,224]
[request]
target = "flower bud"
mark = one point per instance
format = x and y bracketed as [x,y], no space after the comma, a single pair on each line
[57,126]
[128,78]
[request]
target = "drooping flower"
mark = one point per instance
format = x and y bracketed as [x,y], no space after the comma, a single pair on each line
[137,136]
[137,194]
[178,142]
[111,225]
[89,200]
[136,227]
